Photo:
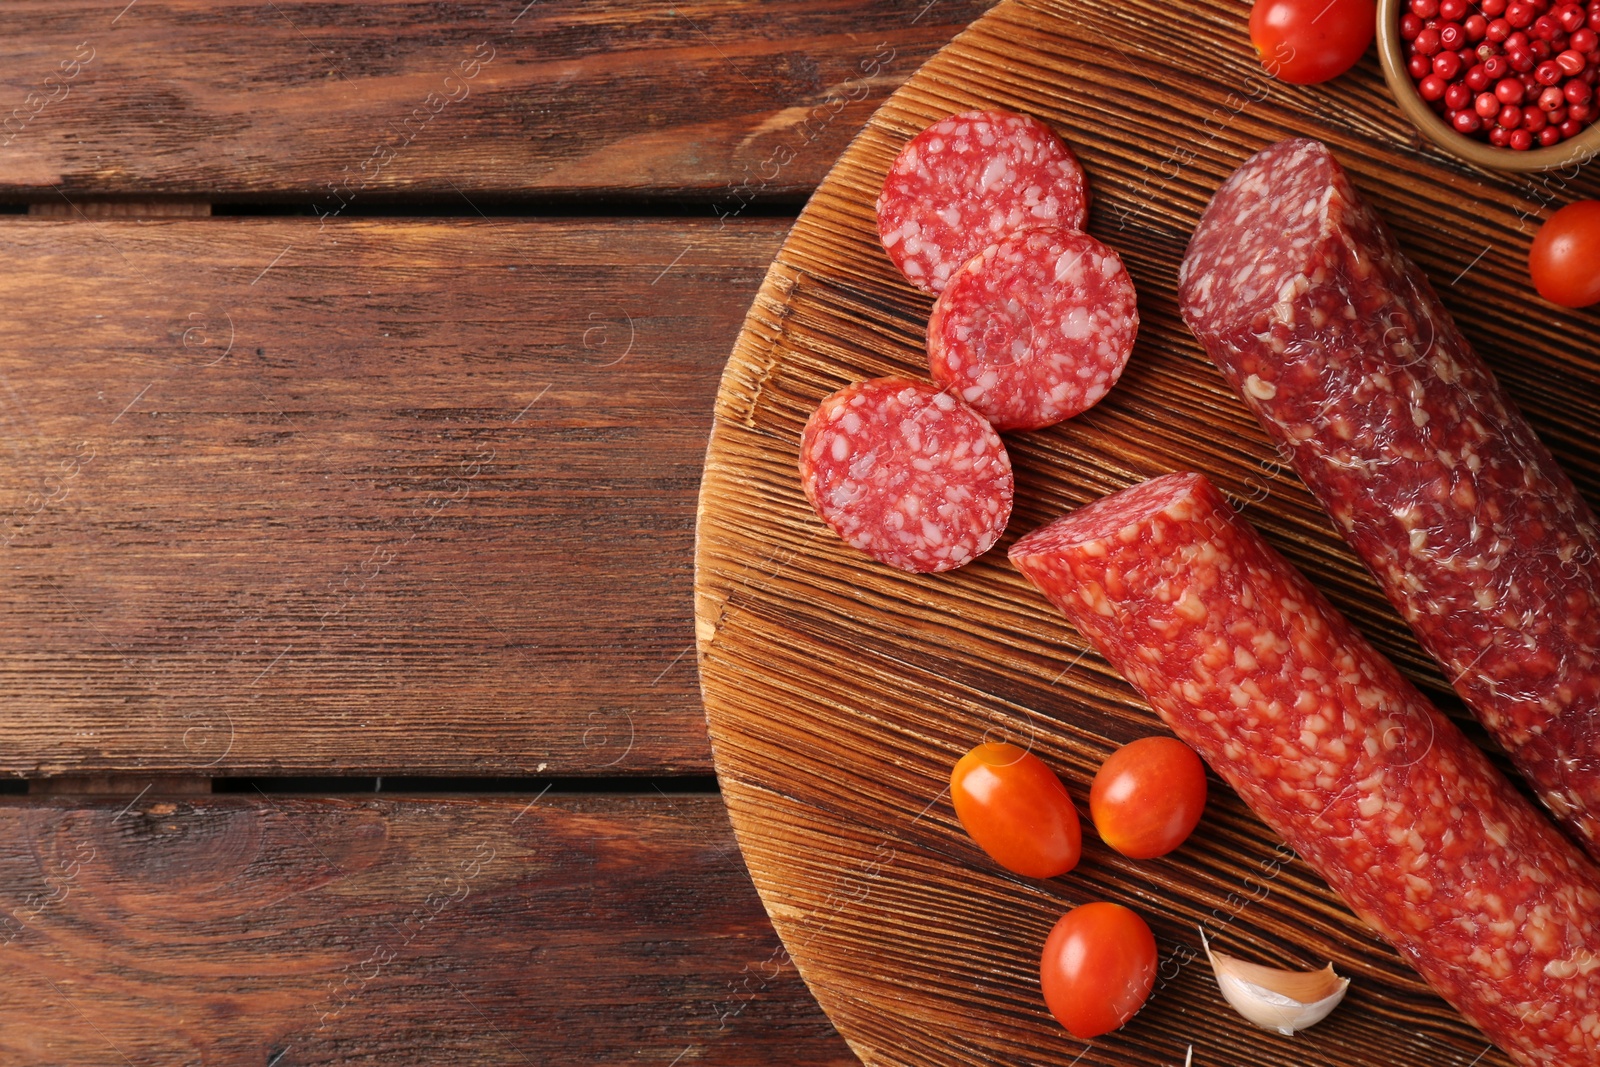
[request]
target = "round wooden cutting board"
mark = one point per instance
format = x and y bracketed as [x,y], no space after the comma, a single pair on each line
[840,692]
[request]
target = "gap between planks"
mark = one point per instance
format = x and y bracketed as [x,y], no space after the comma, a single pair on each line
[115,209]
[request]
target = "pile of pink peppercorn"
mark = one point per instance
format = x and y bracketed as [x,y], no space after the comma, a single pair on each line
[1515,73]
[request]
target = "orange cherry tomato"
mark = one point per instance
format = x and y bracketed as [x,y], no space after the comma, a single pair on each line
[1098,968]
[1311,41]
[1565,257]
[1148,796]
[1017,810]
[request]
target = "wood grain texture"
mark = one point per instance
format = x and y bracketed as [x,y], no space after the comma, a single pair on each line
[238,931]
[375,497]
[334,104]
[840,692]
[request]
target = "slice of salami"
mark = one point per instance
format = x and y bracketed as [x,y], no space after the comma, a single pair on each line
[1034,329]
[1325,740]
[970,180]
[1342,349]
[907,473]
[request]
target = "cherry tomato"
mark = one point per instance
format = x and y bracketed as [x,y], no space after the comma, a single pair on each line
[1148,796]
[1310,41]
[1565,259]
[1098,968]
[1017,810]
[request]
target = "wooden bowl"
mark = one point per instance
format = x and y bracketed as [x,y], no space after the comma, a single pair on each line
[1577,151]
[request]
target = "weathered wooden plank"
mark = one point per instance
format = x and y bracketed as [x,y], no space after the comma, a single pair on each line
[334,104]
[371,497]
[252,930]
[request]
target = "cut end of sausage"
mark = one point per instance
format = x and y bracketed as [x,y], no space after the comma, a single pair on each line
[1285,219]
[970,180]
[907,474]
[1122,517]
[1034,329]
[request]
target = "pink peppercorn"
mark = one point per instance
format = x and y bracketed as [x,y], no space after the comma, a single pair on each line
[1517,73]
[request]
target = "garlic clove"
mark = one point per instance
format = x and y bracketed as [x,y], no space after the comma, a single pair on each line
[1285,1001]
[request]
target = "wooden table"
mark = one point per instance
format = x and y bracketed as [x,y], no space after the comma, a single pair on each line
[357,368]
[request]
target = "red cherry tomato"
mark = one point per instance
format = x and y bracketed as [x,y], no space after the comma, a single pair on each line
[1017,810]
[1310,41]
[1148,796]
[1098,968]
[1565,258]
